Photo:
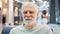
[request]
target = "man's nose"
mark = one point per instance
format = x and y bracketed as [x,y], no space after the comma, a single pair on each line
[28,14]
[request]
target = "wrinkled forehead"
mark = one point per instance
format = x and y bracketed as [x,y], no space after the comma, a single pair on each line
[30,6]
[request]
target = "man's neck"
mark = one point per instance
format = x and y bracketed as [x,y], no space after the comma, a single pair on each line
[30,26]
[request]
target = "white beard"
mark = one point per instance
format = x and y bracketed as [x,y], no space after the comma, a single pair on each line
[29,23]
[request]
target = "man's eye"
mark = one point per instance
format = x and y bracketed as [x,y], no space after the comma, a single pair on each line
[25,12]
[31,12]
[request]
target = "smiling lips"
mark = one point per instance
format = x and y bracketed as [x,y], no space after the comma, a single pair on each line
[28,20]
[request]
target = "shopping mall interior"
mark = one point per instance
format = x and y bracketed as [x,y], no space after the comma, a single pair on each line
[11,16]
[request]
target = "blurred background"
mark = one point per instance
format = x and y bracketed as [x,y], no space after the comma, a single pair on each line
[49,13]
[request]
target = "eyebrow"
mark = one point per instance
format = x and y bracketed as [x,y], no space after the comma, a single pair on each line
[29,11]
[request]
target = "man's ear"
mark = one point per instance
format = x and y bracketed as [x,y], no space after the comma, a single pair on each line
[37,14]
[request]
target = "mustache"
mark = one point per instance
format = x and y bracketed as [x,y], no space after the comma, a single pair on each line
[27,16]
[28,19]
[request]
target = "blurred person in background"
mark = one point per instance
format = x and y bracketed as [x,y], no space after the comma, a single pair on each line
[44,17]
[30,25]
[16,22]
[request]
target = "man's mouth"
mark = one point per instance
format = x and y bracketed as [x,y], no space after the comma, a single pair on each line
[28,19]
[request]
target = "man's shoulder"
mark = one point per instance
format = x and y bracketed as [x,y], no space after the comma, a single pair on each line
[44,27]
[16,28]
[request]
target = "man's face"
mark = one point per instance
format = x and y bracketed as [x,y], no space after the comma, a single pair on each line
[29,15]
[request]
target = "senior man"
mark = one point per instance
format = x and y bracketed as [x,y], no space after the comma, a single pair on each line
[30,25]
